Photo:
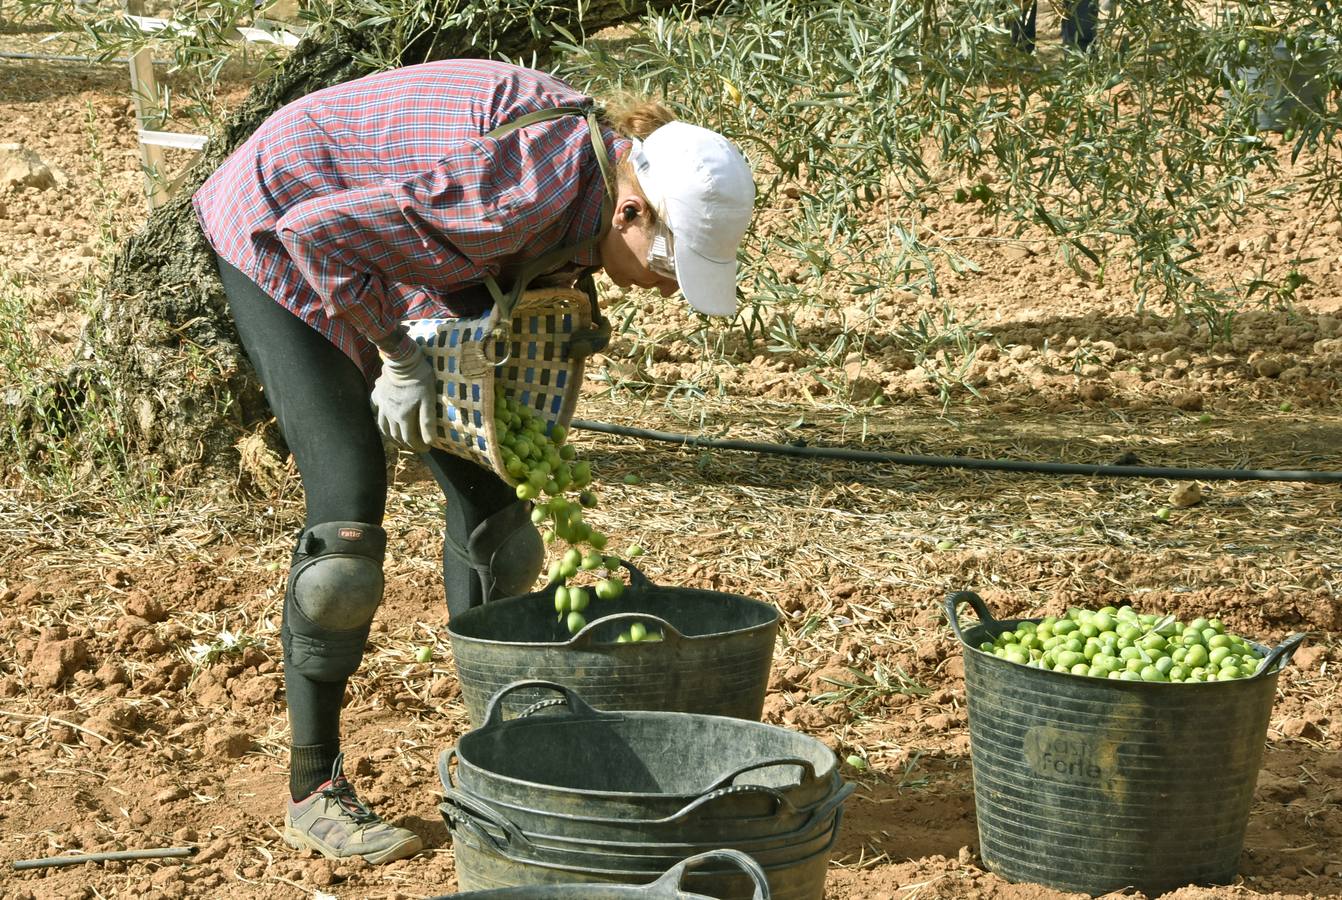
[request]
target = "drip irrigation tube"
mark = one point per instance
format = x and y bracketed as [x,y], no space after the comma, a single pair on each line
[1112,470]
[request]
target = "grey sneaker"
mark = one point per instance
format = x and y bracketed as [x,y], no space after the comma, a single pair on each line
[335,823]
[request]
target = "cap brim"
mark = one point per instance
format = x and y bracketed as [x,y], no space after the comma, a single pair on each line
[708,285]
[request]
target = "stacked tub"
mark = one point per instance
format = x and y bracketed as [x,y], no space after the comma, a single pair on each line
[568,794]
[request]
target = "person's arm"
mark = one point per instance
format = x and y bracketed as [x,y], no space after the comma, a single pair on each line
[449,226]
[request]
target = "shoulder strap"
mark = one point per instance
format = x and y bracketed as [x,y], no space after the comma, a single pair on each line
[504,303]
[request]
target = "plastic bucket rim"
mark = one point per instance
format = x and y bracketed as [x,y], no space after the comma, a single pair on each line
[1262,675]
[454,634]
[821,817]
[665,851]
[827,772]
[625,796]
[1011,624]
[824,851]
[808,811]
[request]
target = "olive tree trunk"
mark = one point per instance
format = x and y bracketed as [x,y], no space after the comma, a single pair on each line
[161,362]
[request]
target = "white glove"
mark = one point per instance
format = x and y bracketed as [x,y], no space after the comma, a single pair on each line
[404,400]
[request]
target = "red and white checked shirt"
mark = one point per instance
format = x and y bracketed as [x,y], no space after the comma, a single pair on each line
[370,202]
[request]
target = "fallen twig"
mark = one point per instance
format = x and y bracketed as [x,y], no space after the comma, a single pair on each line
[109,856]
[67,724]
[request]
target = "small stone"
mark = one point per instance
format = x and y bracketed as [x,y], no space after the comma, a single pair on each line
[1189,401]
[1092,391]
[54,660]
[21,167]
[1298,727]
[1188,493]
[215,850]
[184,835]
[441,688]
[146,607]
[171,795]
[110,673]
[1308,658]
[226,743]
[322,873]
[1269,367]
[168,874]
[139,818]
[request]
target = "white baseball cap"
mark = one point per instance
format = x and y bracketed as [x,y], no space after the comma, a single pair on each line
[701,186]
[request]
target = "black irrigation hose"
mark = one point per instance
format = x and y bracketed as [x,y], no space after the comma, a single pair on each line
[966,462]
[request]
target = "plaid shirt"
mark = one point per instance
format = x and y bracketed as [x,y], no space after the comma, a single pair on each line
[371,202]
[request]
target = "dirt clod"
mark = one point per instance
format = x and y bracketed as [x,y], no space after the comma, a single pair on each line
[54,660]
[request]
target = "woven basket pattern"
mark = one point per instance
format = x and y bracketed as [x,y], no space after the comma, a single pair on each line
[529,360]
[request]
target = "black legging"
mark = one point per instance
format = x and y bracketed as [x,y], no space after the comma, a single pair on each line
[321,401]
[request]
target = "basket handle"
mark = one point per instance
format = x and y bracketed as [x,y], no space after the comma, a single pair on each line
[587,635]
[475,814]
[807,770]
[1280,654]
[637,579]
[577,706]
[952,610]
[445,760]
[669,885]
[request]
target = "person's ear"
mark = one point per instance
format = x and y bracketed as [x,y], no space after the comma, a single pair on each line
[629,211]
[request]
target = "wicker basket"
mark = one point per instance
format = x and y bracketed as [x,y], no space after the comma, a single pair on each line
[531,359]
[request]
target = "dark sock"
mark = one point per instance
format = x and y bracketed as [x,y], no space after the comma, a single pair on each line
[310,767]
[314,729]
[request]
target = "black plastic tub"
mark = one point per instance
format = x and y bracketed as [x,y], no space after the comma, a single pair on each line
[627,770]
[713,659]
[1096,785]
[659,847]
[668,887]
[482,865]
[567,794]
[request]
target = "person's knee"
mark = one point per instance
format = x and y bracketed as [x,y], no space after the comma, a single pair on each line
[335,587]
[507,552]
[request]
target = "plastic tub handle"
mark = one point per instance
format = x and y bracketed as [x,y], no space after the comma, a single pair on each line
[827,807]
[637,579]
[445,760]
[470,812]
[807,770]
[953,611]
[669,885]
[1281,654]
[576,705]
[735,790]
[586,635]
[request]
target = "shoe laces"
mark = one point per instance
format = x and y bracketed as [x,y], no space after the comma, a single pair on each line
[342,792]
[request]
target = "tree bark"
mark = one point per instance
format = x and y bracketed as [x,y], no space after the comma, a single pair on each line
[161,363]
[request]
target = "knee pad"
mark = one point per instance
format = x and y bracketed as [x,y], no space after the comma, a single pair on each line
[335,586]
[506,552]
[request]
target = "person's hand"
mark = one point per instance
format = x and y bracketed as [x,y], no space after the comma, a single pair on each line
[404,401]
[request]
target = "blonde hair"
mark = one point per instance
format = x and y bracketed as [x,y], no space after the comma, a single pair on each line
[635,116]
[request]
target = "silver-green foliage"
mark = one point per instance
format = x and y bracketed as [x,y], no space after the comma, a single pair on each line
[1131,150]
[874,112]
